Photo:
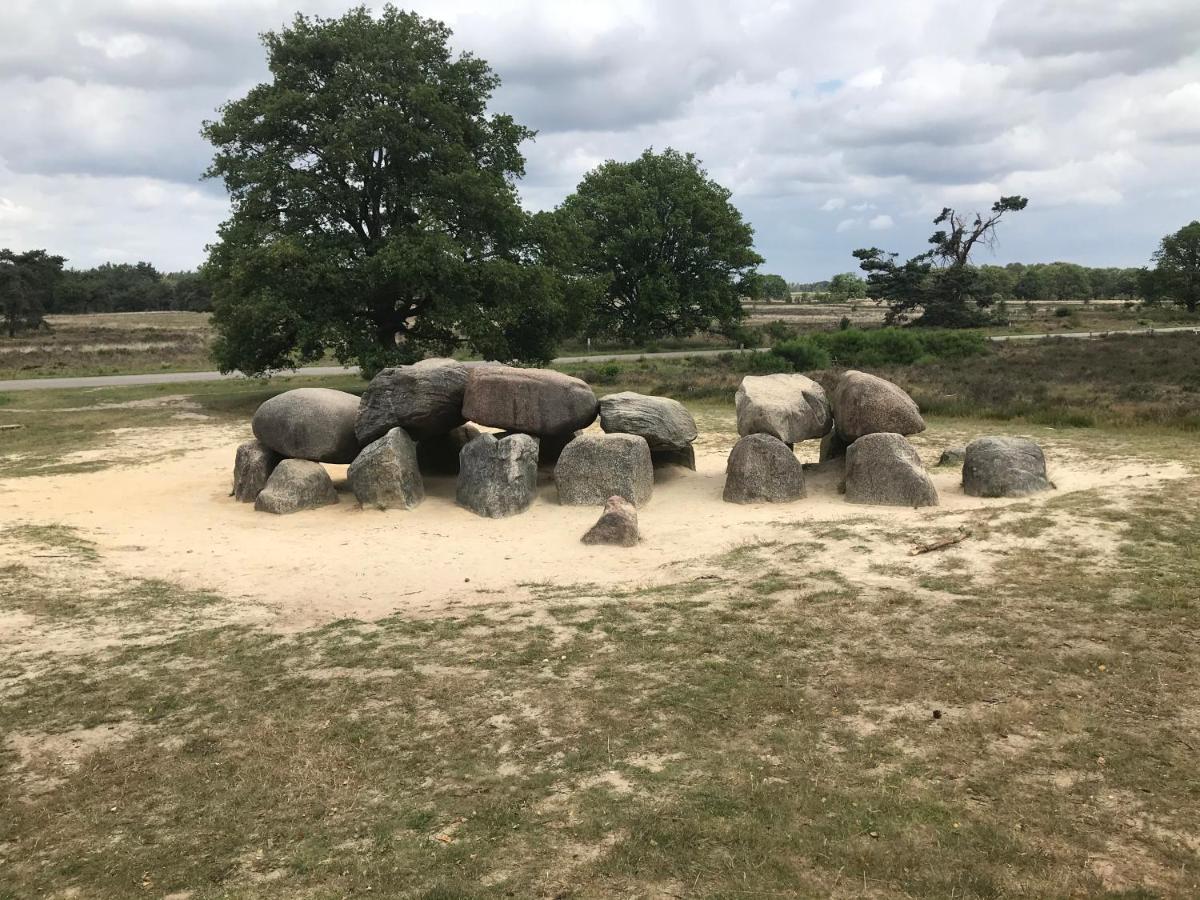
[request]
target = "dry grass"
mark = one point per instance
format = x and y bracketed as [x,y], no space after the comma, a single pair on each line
[1015,717]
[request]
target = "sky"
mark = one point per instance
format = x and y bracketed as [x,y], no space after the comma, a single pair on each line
[835,125]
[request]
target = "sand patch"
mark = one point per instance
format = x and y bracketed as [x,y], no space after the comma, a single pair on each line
[171,517]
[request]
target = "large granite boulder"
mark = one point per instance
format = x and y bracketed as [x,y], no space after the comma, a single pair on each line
[497,474]
[296,484]
[551,446]
[535,401]
[425,399]
[883,469]
[594,467]
[867,404]
[763,469]
[1004,467]
[789,407]
[664,423]
[252,466]
[617,525]
[309,423]
[952,456]
[438,455]
[386,475]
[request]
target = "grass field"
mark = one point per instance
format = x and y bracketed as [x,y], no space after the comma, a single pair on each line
[1015,716]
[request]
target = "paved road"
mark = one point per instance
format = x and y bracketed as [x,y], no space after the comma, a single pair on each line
[98,381]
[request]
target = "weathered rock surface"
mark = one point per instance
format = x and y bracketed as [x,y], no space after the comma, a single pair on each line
[438,455]
[866,404]
[535,401]
[664,423]
[789,407]
[252,466]
[883,469]
[497,474]
[1004,467]
[309,423]
[386,475]
[425,399]
[685,458]
[296,484]
[763,469]
[594,467]
[952,456]
[617,525]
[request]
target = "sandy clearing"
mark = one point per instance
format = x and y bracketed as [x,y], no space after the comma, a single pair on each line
[172,518]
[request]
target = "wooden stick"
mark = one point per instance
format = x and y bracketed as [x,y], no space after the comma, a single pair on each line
[940,545]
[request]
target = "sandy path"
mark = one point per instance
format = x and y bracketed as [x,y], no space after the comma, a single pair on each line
[173,519]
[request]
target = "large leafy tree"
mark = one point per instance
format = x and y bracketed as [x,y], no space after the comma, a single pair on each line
[939,286]
[27,285]
[374,207]
[1176,273]
[670,253]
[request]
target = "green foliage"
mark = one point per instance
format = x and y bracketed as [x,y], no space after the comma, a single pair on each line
[1062,311]
[847,286]
[27,284]
[125,287]
[938,287]
[803,354]
[670,252]
[374,206]
[1176,273]
[772,287]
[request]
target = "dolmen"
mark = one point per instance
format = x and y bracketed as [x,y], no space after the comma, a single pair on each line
[774,413]
[1004,467]
[667,426]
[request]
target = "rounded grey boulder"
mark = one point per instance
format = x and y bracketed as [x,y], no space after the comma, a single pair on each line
[617,525]
[789,407]
[594,467]
[664,423]
[497,474]
[296,484]
[309,423]
[866,404]
[386,475]
[1004,467]
[763,469]
[884,469]
[952,456]
[252,466]
[425,399]
[535,401]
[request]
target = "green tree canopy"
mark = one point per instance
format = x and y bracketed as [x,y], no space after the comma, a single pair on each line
[847,286]
[374,205]
[773,287]
[1176,273]
[27,284]
[670,253]
[940,283]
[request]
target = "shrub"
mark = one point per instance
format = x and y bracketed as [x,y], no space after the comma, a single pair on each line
[1062,311]
[952,344]
[803,354]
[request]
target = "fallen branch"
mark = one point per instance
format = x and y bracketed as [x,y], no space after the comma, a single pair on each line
[940,545]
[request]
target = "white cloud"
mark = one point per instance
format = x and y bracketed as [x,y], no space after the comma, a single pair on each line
[1089,107]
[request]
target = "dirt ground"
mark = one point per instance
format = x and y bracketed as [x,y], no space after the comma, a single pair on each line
[172,518]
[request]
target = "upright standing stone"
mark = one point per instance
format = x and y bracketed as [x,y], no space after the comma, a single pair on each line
[497,475]
[866,404]
[386,475]
[295,485]
[884,470]
[425,399]
[763,469]
[594,467]
[1004,467]
[252,466]
[316,424]
[789,407]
